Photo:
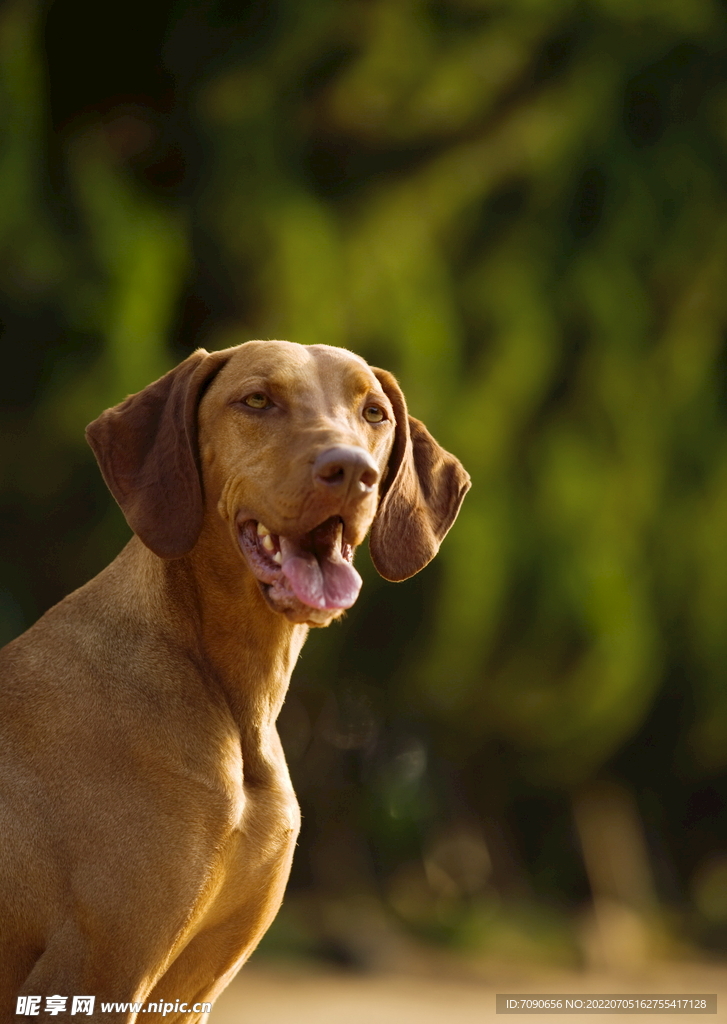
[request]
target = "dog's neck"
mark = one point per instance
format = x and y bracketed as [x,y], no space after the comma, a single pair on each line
[242,648]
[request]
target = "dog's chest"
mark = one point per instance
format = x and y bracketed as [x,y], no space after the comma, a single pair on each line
[255,851]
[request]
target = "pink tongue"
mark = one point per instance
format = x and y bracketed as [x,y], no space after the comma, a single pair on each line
[329,583]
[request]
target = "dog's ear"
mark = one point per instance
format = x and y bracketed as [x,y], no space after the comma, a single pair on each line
[147,451]
[420,496]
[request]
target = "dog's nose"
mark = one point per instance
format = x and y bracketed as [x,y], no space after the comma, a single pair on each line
[346,470]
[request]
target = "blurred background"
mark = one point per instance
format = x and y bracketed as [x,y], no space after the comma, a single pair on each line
[520,208]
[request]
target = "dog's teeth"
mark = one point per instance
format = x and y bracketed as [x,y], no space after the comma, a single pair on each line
[278,557]
[268,543]
[262,531]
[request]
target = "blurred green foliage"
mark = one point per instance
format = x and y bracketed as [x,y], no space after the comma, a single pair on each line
[520,208]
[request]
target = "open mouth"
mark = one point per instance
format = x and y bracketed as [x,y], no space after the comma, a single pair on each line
[314,569]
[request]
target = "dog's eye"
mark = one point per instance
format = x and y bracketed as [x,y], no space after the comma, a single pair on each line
[257,400]
[374,414]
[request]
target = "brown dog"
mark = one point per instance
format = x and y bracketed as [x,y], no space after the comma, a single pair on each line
[147,820]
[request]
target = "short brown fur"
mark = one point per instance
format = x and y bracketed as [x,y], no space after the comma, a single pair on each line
[147,820]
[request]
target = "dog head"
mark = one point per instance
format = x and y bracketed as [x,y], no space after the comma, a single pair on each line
[294,452]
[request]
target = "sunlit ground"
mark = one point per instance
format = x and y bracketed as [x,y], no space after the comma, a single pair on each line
[294,995]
